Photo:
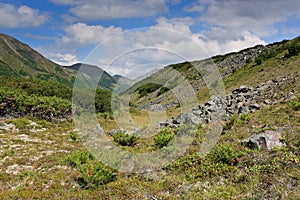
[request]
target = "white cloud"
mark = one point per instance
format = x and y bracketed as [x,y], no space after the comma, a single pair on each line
[235,16]
[63,59]
[108,9]
[169,41]
[84,34]
[23,16]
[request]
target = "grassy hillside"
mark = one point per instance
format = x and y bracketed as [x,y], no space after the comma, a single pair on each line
[280,58]
[42,159]
[19,60]
[47,160]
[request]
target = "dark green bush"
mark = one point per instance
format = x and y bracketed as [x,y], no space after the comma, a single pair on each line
[163,138]
[148,88]
[125,139]
[95,174]
[226,154]
[162,91]
[92,172]
[103,101]
[74,137]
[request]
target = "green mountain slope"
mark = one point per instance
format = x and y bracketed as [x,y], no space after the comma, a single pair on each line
[106,80]
[48,160]
[19,60]
[249,66]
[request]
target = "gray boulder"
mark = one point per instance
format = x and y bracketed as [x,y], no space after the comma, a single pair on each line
[267,140]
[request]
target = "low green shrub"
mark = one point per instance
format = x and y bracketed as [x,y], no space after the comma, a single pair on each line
[74,137]
[125,139]
[77,159]
[44,123]
[163,138]
[244,117]
[92,172]
[20,123]
[95,174]
[226,154]
[295,105]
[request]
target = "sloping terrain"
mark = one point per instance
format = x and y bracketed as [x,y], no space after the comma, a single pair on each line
[42,159]
[259,61]
[19,60]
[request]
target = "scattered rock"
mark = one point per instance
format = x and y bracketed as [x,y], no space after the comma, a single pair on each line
[255,106]
[99,130]
[267,140]
[242,100]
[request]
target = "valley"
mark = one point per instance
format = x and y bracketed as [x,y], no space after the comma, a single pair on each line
[44,155]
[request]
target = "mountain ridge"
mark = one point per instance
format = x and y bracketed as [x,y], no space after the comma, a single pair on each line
[18,59]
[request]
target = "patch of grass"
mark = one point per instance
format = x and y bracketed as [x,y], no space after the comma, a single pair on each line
[20,123]
[44,123]
[74,137]
[245,117]
[229,124]
[8,152]
[295,105]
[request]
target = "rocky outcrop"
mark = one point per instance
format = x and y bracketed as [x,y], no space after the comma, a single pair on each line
[227,64]
[238,60]
[242,100]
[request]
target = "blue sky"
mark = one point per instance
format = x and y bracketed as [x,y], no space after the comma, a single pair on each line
[70,31]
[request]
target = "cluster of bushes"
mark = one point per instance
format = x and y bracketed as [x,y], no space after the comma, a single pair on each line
[148,88]
[37,87]
[181,67]
[44,99]
[19,102]
[291,47]
[162,90]
[92,172]
[223,159]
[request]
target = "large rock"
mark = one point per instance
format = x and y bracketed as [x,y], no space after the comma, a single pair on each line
[267,140]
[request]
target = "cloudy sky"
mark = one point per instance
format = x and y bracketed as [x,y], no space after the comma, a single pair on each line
[131,36]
